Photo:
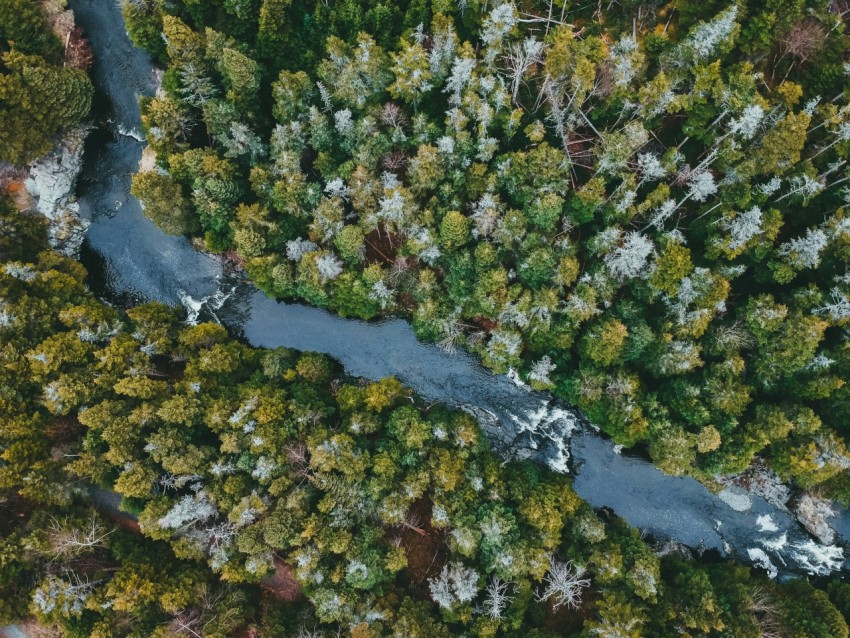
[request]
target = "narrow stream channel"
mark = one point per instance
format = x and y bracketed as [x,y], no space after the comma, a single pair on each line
[130,261]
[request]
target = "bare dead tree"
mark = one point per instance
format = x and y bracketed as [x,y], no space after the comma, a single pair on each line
[78,51]
[68,540]
[802,42]
[557,115]
[166,482]
[804,39]
[452,335]
[213,607]
[395,162]
[476,338]
[564,584]
[392,115]
[565,115]
[221,535]
[398,271]
[496,598]
[187,622]
[548,20]
[412,522]
[764,608]
[298,456]
[520,58]
[734,335]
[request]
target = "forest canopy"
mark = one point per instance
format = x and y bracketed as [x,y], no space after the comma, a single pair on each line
[268,494]
[641,208]
[44,88]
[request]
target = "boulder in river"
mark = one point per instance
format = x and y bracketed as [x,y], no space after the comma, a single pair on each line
[812,512]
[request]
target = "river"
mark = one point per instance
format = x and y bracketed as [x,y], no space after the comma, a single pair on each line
[130,261]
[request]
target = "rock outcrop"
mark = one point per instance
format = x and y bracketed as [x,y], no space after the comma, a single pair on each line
[51,183]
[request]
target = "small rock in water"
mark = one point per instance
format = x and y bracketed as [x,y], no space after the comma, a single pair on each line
[763,481]
[736,498]
[812,511]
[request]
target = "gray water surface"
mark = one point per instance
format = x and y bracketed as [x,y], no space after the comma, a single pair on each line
[131,260]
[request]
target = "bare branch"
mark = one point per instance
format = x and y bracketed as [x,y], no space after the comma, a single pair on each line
[563,583]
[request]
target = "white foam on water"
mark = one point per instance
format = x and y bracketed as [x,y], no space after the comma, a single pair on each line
[549,425]
[761,559]
[194,306]
[131,133]
[218,299]
[818,559]
[766,524]
[547,421]
[560,462]
[777,544]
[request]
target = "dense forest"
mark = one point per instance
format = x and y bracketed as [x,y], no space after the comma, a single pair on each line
[43,84]
[270,495]
[638,206]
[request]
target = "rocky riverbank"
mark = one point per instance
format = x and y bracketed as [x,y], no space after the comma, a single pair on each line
[49,190]
[48,185]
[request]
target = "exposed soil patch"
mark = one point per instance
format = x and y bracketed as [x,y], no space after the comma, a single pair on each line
[282,584]
[122,519]
[484,323]
[382,246]
[63,428]
[168,368]
[424,546]
[566,621]
[13,509]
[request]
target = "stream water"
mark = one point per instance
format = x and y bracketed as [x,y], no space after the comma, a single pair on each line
[130,261]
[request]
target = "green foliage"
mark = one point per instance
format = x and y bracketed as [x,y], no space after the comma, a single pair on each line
[164,202]
[37,101]
[673,236]
[808,613]
[645,216]
[40,93]
[454,230]
[22,28]
[144,26]
[249,466]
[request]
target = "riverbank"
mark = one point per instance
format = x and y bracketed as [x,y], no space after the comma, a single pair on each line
[49,190]
[47,186]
